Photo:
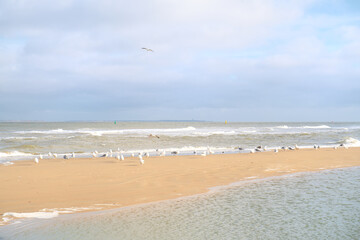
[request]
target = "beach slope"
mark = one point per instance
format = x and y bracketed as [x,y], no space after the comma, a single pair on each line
[107,182]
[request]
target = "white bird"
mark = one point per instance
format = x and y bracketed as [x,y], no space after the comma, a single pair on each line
[346,147]
[122,157]
[141,160]
[41,156]
[73,155]
[265,148]
[55,155]
[203,154]
[94,154]
[110,151]
[50,154]
[296,147]
[210,151]
[147,154]
[132,154]
[118,157]
[335,147]
[148,49]
[252,151]
[276,150]
[315,147]
[163,153]
[36,160]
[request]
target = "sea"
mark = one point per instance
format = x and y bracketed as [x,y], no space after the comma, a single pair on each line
[316,205]
[27,140]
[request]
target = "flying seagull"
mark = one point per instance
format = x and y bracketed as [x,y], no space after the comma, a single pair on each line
[148,49]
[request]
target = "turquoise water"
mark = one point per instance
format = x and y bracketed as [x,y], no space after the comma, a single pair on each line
[321,205]
[28,140]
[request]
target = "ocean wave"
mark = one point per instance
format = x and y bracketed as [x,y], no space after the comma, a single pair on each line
[320,126]
[95,132]
[14,154]
[349,141]
[304,127]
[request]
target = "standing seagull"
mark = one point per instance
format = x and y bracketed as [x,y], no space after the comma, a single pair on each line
[141,160]
[36,160]
[148,49]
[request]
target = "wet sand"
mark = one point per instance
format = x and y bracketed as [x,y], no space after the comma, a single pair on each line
[59,183]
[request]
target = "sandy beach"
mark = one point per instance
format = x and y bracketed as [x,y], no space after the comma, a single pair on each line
[59,183]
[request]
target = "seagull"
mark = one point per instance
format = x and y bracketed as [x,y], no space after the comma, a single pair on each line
[257,150]
[335,147]
[118,157]
[210,151]
[163,153]
[276,150]
[203,154]
[296,147]
[50,154]
[122,157]
[132,154]
[291,148]
[36,160]
[252,151]
[41,156]
[55,155]
[240,149]
[148,49]
[141,160]
[73,155]
[66,157]
[175,152]
[105,155]
[265,148]
[94,154]
[147,154]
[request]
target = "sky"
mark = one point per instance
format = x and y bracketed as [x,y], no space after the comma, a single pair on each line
[214,60]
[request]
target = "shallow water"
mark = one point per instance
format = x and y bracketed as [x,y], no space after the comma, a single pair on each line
[322,205]
[27,140]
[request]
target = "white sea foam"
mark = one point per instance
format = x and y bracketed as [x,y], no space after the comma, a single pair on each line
[320,126]
[7,163]
[17,138]
[283,126]
[353,142]
[97,132]
[43,215]
[304,127]
[13,153]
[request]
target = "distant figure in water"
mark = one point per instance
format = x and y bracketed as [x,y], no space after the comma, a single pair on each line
[150,135]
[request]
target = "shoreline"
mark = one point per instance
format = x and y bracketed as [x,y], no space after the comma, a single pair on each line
[107,183]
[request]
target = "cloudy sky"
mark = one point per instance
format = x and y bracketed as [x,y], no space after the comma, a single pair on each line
[240,60]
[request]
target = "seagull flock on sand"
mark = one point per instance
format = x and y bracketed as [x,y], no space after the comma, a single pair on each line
[120,154]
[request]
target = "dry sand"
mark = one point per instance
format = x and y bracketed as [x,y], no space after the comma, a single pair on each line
[58,183]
